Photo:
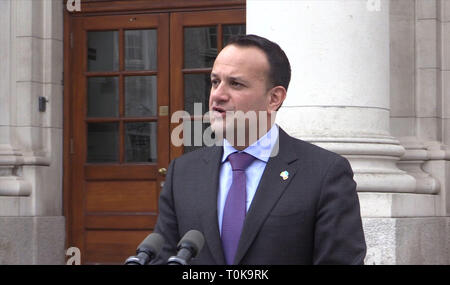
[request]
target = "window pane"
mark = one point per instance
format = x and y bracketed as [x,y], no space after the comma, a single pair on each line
[103,97]
[141,49]
[103,51]
[103,142]
[141,142]
[229,31]
[196,90]
[140,96]
[200,46]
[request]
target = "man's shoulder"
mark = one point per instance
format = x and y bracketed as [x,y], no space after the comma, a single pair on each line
[302,145]
[306,150]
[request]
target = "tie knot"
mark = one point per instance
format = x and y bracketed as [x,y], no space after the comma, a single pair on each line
[240,160]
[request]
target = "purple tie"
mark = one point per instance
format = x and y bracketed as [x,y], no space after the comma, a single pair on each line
[235,205]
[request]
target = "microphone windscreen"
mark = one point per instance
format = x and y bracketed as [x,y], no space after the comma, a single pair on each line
[195,239]
[153,242]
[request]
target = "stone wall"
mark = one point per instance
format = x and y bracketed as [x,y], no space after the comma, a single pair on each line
[31,220]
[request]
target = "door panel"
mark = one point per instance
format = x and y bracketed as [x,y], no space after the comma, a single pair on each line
[105,246]
[121,196]
[120,139]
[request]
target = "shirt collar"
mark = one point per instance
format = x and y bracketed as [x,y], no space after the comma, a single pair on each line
[261,149]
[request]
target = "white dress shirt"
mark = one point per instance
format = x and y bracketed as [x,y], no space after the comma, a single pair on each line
[261,150]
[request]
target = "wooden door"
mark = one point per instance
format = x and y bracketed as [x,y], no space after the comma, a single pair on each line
[120,132]
[123,90]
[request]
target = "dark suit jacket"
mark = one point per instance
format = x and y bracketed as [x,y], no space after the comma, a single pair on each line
[313,217]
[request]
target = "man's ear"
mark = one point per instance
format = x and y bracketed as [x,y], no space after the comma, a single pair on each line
[277,95]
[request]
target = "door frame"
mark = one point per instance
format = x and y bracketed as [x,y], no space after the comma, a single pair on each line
[92,8]
[83,171]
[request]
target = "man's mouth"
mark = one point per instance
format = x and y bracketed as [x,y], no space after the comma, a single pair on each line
[219,110]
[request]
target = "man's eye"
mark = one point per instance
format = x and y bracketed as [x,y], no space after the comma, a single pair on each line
[214,82]
[235,84]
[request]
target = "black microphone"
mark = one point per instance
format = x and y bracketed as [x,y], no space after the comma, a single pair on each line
[147,250]
[188,247]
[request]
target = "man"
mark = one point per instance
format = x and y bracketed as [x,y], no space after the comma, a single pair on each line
[270,199]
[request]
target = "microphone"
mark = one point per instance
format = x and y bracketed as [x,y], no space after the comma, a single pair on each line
[147,250]
[188,247]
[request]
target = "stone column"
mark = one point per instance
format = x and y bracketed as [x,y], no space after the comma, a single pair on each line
[339,98]
[339,95]
[11,159]
[419,48]
[31,220]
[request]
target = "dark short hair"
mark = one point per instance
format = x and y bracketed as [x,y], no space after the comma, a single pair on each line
[279,66]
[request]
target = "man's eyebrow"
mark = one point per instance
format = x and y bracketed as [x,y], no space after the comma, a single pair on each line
[236,78]
[231,78]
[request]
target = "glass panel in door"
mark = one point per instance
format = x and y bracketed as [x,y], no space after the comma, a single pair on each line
[141,49]
[117,95]
[103,51]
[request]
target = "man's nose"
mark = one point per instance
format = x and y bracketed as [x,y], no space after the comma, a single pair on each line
[220,93]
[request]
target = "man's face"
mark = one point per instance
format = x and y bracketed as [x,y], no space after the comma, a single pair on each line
[239,82]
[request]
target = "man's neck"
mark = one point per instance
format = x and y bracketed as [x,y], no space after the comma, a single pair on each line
[239,145]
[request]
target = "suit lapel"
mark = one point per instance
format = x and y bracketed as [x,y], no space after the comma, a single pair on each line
[207,202]
[270,189]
